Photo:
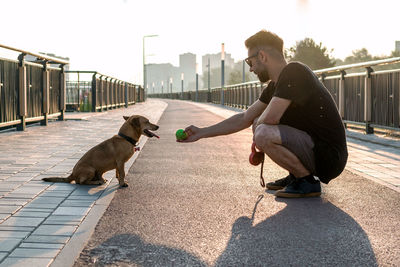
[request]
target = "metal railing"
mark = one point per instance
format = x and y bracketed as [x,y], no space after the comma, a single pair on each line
[102,92]
[370,98]
[31,92]
[35,91]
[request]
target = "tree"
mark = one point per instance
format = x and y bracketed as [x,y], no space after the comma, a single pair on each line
[395,54]
[360,55]
[314,55]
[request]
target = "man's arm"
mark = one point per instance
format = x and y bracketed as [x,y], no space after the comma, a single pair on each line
[231,125]
[274,111]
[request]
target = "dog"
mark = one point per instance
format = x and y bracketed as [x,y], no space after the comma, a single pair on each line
[110,154]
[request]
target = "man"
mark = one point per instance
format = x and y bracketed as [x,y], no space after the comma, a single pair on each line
[295,121]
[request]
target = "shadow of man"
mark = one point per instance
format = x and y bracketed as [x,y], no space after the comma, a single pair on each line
[307,232]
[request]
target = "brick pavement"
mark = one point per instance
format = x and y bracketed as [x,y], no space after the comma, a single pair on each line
[38,219]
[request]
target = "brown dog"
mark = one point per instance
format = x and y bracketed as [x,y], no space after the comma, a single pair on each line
[110,154]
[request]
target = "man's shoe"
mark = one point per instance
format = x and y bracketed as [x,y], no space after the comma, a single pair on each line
[300,188]
[281,183]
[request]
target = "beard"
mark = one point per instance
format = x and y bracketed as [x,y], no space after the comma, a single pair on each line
[263,76]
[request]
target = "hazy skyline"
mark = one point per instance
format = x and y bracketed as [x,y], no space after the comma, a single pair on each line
[107,35]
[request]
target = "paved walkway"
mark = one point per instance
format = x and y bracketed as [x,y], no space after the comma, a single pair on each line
[44,223]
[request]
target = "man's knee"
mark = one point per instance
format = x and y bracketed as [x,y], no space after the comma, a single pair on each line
[266,135]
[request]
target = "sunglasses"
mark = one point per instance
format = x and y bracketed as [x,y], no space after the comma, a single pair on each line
[248,61]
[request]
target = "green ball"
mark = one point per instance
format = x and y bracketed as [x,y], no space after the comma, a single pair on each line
[181,134]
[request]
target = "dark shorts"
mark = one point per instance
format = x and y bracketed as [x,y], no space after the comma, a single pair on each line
[300,144]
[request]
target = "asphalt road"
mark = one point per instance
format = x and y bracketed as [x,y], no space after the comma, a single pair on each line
[201,204]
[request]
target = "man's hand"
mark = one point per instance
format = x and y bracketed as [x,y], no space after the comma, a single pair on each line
[194,134]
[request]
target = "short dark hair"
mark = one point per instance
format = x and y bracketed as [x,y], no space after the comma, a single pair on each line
[263,39]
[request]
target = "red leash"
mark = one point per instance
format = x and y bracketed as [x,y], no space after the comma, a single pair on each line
[257,157]
[262,182]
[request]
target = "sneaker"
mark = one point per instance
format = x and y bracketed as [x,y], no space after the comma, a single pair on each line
[281,183]
[300,188]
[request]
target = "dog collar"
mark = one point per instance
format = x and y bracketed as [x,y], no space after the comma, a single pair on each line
[127,138]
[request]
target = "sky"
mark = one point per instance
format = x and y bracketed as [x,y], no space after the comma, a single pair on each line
[107,35]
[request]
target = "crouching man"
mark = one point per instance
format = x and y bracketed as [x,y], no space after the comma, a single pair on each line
[295,121]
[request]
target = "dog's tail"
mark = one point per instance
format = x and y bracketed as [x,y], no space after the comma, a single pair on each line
[59,179]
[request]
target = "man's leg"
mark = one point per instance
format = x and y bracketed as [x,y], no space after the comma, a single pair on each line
[292,149]
[268,140]
[279,183]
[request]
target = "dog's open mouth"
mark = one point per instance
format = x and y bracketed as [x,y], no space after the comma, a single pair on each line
[150,134]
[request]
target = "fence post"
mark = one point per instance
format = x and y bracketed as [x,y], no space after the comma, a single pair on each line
[368,101]
[112,93]
[107,100]
[116,87]
[101,92]
[323,76]
[46,94]
[341,94]
[22,93]
[197,87]
[63,94]
[126,95]
[94,93]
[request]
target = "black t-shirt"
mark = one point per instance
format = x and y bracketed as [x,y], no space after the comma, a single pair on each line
[312,110]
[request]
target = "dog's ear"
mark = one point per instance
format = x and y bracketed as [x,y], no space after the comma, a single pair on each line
[125,117]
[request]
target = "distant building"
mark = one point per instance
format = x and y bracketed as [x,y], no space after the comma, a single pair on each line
[187,66]
[397,46]
[215,61]
[159,78]
[159,75]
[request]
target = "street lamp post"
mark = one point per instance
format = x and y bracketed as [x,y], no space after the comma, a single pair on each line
[144,61]
[209,87]
[197,83]
[222,72]
[170,84]
[182,77]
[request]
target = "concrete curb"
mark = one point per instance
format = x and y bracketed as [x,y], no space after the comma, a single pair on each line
[75,245]
[392,142]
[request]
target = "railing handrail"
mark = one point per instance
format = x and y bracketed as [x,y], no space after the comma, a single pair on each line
[233,85]
[329,70]
[358,65]
[40,56]
[98,73]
